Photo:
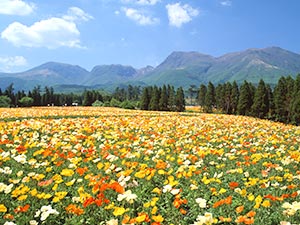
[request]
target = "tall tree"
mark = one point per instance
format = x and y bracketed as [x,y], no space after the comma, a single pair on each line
[234,97]
[245,99]
[154,101]
[220,97]
[171,98]
[163,101]
[202,94]
[210,99]
[227,95]
[280,96]
[145,99]
[180,102]
[9,92]
[260,107]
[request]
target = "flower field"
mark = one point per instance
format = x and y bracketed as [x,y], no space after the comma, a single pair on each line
[112,166]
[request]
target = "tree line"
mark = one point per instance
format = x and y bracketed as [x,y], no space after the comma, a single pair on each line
[163,98]
[281,103]
[129,97]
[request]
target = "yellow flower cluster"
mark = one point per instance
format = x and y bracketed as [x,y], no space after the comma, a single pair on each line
[85,165]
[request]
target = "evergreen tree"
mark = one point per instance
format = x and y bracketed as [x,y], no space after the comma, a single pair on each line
[280,96]
[163,101]
[145,99]
[296,109]
[234,97]
[9,92]
[171,98]
[36,95]
[154,101]
[271,102]
[260,107]
[202,94]
[245,99]
[227,95]
[210,98]
[180,102]
[87,98]
[220,97]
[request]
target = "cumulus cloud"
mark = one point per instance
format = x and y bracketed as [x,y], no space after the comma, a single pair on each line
[8,62]
[179,14]
[50,33]
[226,3]
[139,17]
[142,2]
[16,7]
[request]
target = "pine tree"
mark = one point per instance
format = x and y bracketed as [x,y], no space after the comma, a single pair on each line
[145,99]
[220,100]
[227,95]
[171,98]
[163,101]
[245,99]
[210,98]
[280,92]
[202,94]
[295,109]
[271,102]
[260,107]
[154,101]
[234,97]
[180,102]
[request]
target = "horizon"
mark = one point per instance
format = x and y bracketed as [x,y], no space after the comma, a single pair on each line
[138,33]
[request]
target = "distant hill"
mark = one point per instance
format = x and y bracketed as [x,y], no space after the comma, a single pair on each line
[178,69]
[109,74]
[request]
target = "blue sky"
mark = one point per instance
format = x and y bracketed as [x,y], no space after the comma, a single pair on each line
[139,32]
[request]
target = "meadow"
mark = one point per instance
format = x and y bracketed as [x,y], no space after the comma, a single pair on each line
[92,165]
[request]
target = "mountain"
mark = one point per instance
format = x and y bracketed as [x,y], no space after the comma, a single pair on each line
[253,64]
[178,69]
[109,74]
[186,68]
[48,74]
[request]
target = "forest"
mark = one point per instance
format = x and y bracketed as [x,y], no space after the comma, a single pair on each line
[280,102]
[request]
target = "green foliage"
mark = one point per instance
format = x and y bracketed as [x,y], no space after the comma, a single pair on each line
[114,103]
[162,99]
[260,106]
[245,99]
[26,101]
[98,103]
[127,105]
[4,101]
[210,98]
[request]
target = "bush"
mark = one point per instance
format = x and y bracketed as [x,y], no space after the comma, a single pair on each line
[114,103]
[127,105]
[4,101]
[97,103]
[26,101]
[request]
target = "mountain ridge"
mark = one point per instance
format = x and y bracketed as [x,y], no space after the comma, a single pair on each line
[179,69]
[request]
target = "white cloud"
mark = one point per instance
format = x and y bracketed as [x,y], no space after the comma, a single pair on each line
[179,14]
[16,7]
[50,33]
[226,3]
[139,17]
[76,14]
[141,2]
[6,63]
